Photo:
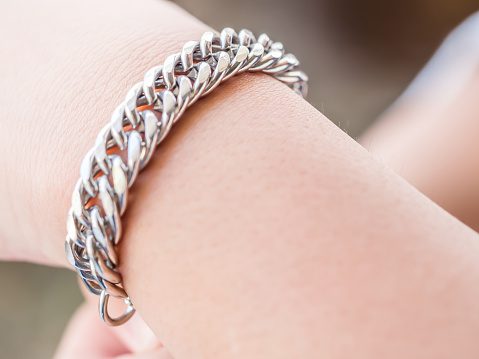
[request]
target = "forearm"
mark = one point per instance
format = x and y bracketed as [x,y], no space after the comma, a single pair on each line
[269,233]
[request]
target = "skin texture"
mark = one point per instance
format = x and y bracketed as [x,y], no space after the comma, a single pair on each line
[308,252]
[104,341]
[77,67]
[260,230]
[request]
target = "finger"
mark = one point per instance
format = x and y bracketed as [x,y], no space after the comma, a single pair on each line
[160,353]
[135,334]
[87,337]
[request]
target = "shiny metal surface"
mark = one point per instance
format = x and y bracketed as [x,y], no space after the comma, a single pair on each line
[126,145]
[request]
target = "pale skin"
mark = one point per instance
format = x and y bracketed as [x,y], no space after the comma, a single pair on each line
[260,230]
[430,134]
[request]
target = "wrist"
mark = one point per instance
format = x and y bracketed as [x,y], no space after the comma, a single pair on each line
[72,100]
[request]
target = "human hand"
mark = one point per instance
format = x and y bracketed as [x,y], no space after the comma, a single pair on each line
[134,340]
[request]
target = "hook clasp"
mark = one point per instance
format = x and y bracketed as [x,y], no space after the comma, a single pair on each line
[105,315]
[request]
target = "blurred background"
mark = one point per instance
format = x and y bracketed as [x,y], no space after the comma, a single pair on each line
[360,55]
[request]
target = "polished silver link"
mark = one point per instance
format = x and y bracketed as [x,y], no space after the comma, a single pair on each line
[138,125]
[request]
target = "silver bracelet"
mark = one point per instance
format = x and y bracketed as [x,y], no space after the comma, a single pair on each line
[126,144]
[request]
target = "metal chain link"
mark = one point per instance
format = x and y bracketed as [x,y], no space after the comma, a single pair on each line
[139,124]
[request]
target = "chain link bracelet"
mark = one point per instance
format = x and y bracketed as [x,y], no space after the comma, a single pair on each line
[138,125]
